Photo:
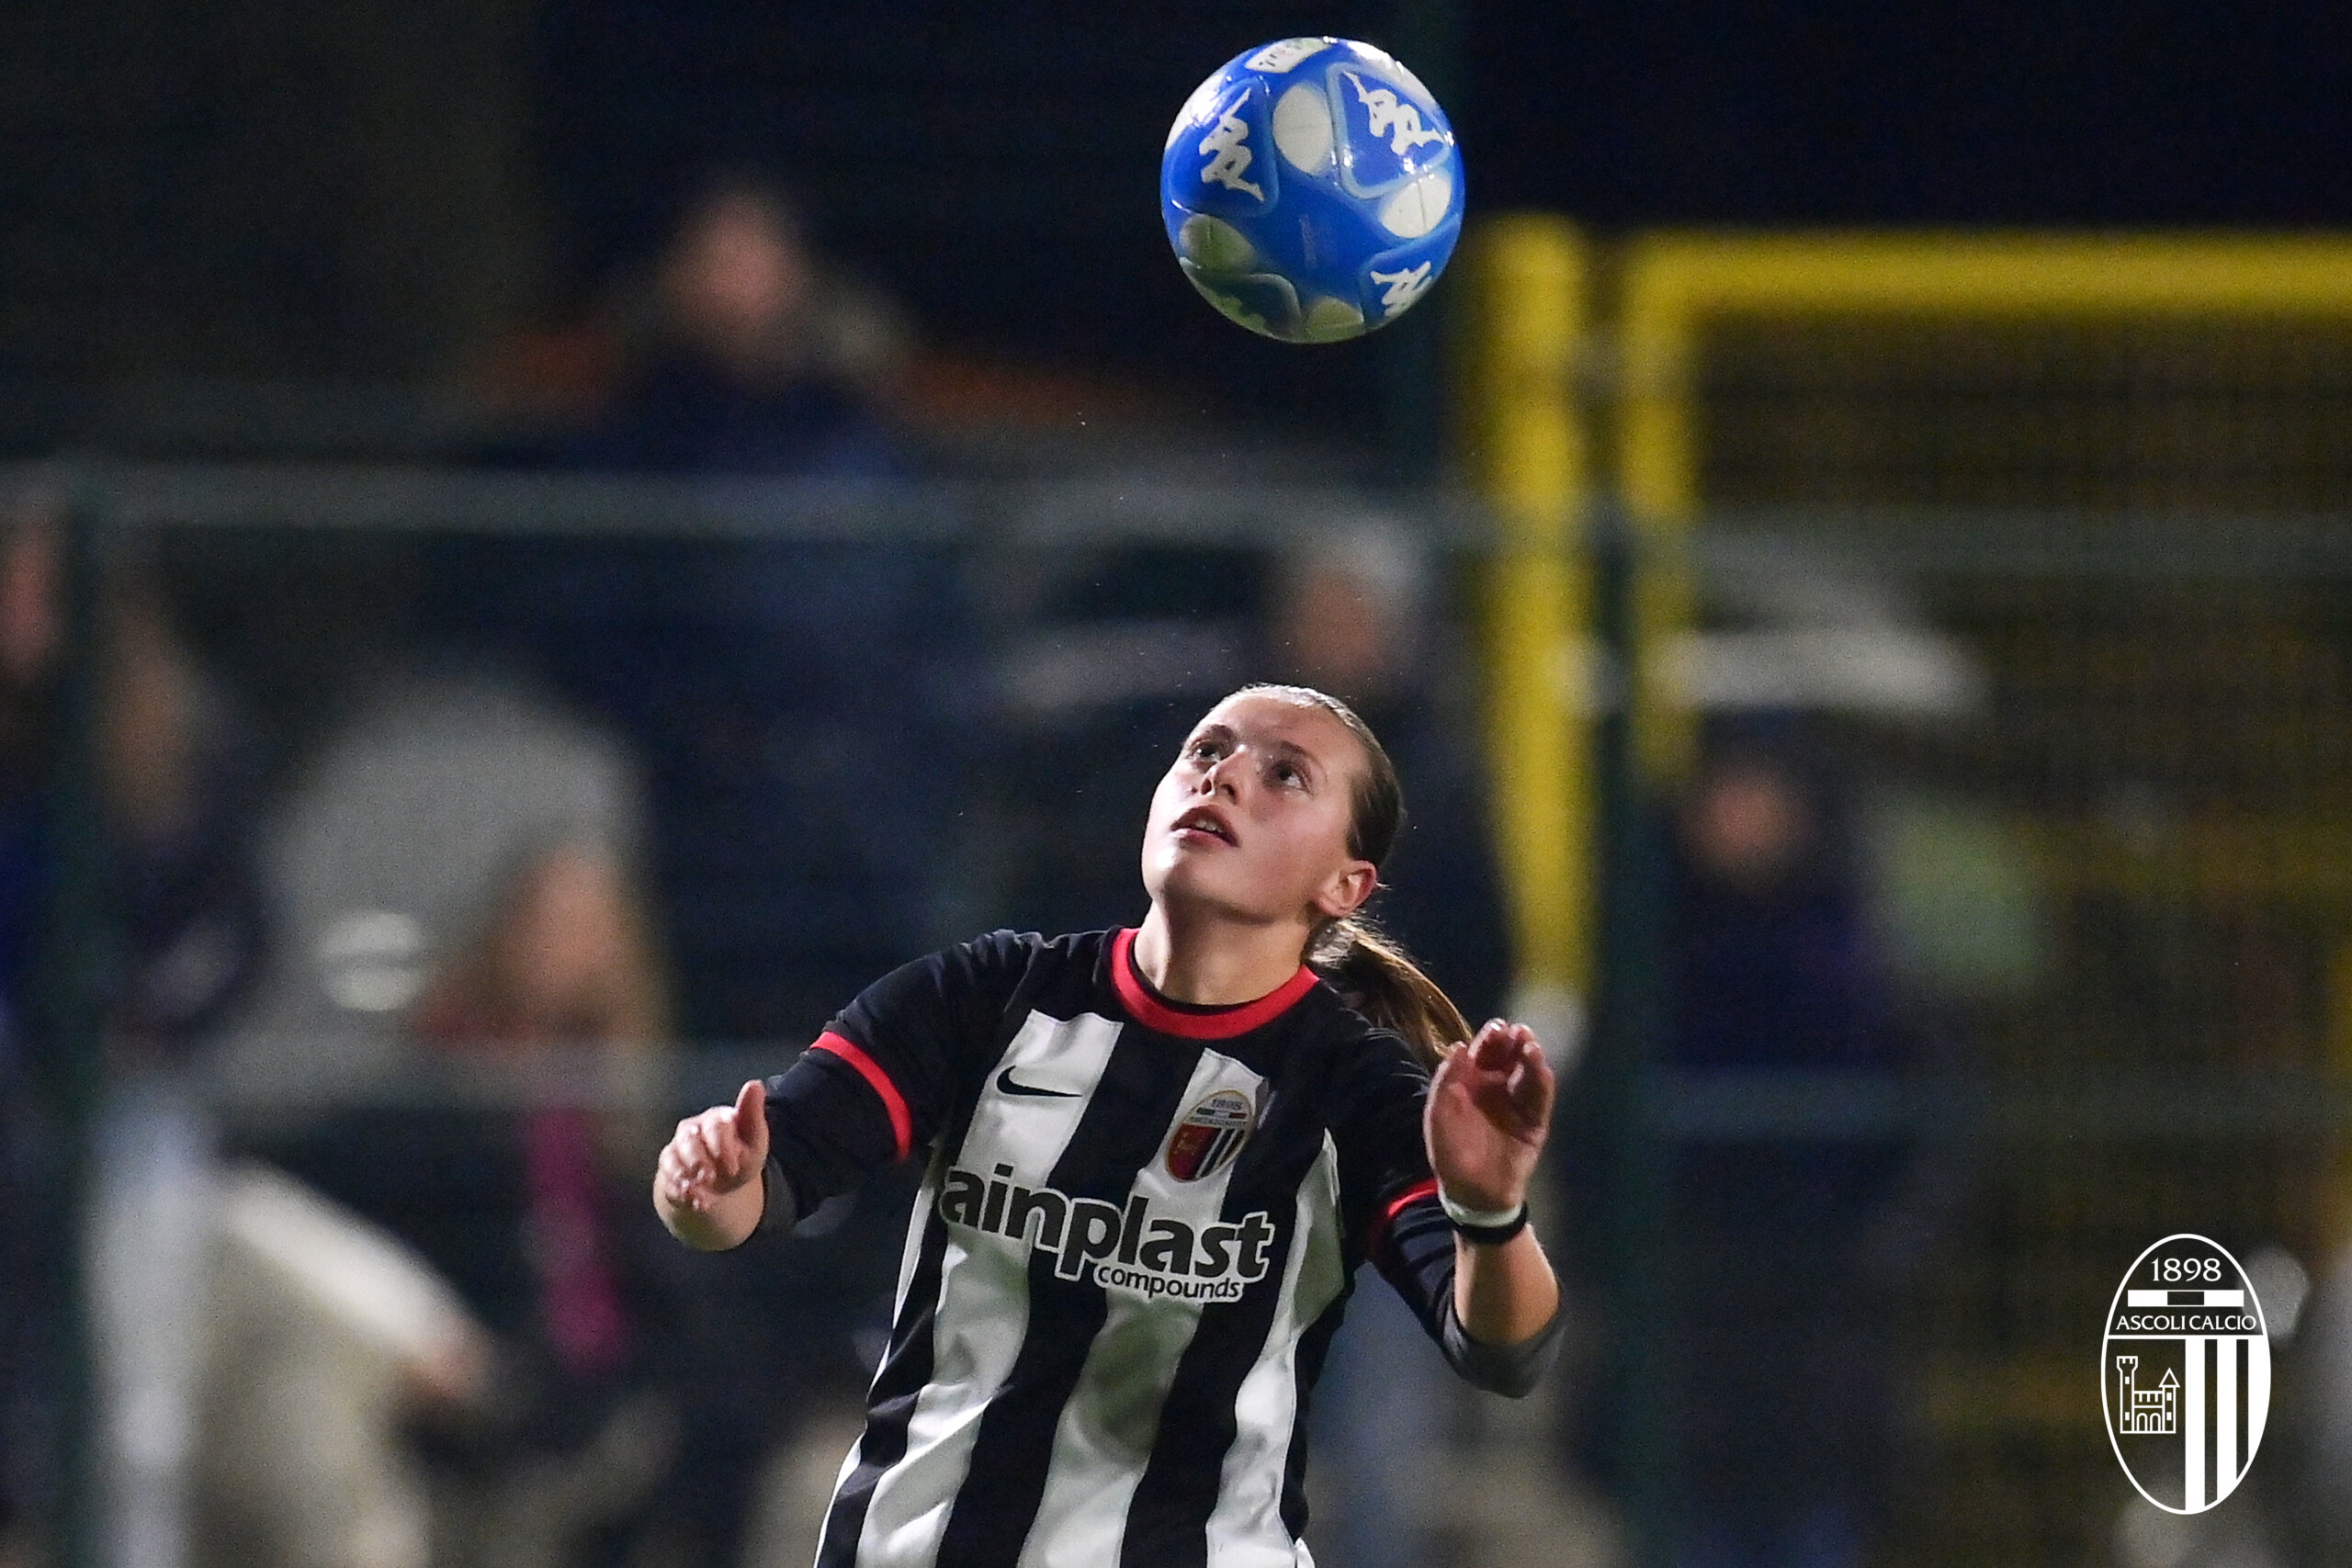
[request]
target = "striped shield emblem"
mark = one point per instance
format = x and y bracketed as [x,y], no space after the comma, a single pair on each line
[1211,1134]
[2185,1371]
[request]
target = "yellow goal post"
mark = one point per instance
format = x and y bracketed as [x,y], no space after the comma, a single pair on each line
[1523,448]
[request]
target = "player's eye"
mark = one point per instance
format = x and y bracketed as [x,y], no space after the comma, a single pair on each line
[1205,751]
[1288,776]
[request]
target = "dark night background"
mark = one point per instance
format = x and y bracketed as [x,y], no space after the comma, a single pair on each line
[368,192]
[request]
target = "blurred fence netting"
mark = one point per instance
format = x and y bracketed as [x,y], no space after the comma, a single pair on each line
[2025,561]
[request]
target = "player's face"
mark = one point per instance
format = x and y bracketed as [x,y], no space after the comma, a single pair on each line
[1252,821]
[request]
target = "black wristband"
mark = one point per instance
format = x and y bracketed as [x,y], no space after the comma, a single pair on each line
[1490,1235]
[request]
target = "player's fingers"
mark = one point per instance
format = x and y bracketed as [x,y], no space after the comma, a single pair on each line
[1496,1050]
[1513,1041]
[716,1123]
[727,1149]
[710,1138]
[1534,1087]
[677,1182]
[697,1125]
[690,1157]
[1497,1044]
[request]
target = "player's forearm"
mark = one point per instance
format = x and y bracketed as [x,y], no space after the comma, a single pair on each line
[727,1219]
[1506,1295]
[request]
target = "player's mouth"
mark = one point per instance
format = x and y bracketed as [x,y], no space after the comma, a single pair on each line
[1203,822]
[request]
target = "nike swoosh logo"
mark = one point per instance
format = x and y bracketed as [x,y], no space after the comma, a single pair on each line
[1004,1082]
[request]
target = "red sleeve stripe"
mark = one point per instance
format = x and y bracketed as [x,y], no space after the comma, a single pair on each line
[902,1125]
[1397,1205]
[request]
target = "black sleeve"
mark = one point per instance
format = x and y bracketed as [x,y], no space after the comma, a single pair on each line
[1388,1197]
[881,1080]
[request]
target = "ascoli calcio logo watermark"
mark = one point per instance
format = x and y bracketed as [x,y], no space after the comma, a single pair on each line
[2185,1373]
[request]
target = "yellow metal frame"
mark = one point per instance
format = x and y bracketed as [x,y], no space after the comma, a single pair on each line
[1524,449]
[1672,285]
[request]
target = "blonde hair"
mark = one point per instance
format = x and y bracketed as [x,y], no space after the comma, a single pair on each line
[1370,970]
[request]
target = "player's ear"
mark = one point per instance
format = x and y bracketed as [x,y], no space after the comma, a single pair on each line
[1344,891]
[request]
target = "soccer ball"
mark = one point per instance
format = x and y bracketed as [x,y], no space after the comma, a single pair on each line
[1311,189]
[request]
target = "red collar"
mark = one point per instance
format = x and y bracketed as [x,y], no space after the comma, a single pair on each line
[1196,1023]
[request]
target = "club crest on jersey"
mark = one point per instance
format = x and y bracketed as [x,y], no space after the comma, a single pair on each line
[1208,1138]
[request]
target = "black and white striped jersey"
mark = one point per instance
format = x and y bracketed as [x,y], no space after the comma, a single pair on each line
[1137,1230]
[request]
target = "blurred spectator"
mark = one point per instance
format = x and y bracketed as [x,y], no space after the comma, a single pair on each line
[752,357]
[454,863]
[801,705]
[181,774]
[257,1351]
[1357,614]
[1779,1332]
[178,776]
[322,1336]
[452,874]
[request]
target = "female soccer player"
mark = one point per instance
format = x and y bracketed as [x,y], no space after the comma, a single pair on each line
[1156,1158]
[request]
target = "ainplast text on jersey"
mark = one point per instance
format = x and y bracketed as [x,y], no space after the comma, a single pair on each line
[1128,1249]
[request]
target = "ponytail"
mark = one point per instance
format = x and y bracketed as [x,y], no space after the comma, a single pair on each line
[1375,976]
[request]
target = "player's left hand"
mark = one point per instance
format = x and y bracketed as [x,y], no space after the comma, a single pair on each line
[1490,1109]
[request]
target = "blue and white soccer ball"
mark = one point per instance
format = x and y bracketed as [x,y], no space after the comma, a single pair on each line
[1311,189]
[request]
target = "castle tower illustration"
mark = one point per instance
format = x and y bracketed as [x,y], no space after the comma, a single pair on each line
[2146,1412]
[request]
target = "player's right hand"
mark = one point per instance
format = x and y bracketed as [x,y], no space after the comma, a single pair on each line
[716,1153]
